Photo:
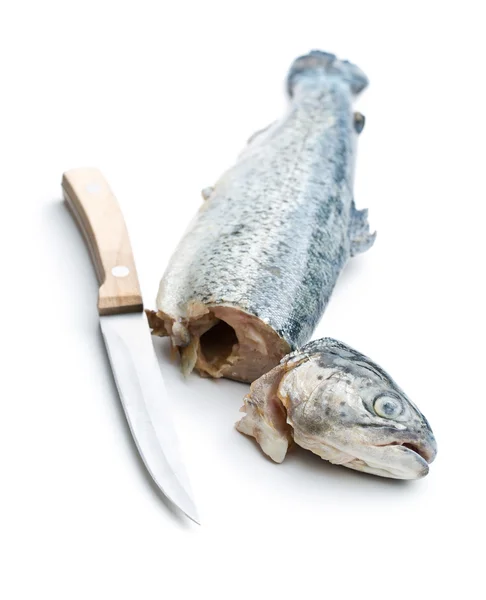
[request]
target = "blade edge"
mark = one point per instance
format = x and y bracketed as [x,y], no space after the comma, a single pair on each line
[142,394]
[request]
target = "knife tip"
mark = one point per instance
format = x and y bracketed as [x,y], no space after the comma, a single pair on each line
[193,516]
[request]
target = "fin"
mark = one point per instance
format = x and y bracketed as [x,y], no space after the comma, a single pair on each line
[317,63]
[256,138]
[257,134]
[359,122]
[359,231]
[206,192]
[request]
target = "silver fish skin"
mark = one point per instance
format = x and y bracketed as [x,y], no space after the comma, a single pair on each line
[336,402]
[258,263]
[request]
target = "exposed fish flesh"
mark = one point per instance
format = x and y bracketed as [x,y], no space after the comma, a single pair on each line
[254,272]
[334,401]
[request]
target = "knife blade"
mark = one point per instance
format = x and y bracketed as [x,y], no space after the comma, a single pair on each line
[126,333]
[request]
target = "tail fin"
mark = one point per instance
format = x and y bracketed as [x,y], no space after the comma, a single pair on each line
[318,63]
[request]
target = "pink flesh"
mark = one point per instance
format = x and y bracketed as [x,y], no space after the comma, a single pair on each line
[266,417]
[224,342]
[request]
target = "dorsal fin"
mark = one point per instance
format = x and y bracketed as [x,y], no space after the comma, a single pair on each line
[359,231]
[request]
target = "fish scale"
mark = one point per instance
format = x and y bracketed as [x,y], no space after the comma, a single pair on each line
[336,402]
[264,252]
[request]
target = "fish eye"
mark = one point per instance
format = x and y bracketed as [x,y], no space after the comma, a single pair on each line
[388,407]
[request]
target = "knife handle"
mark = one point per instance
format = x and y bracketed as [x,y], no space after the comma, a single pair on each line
[98,214]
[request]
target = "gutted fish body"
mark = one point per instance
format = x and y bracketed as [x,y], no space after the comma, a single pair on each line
[254,272]
[334,401]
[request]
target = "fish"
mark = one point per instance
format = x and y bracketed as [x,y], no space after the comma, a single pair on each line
[334,401]
[253,273]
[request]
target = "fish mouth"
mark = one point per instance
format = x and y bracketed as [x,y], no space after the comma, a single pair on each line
[407,459]
[426,450]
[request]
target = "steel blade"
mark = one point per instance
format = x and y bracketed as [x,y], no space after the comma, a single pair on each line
[145,402]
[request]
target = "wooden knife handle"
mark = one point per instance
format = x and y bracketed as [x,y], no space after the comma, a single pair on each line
[101,221]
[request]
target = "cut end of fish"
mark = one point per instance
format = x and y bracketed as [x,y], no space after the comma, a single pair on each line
[265,416]
[222,342]
[334,401]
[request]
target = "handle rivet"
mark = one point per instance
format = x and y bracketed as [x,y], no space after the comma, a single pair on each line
[120,271]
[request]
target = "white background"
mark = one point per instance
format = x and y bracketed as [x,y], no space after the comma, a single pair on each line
[161,96]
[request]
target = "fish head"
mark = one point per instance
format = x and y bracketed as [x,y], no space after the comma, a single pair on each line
[345,408]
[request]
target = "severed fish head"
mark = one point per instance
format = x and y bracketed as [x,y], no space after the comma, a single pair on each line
[334,401]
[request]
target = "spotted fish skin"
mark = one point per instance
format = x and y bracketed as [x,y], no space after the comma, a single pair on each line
[276,230]
[336,402]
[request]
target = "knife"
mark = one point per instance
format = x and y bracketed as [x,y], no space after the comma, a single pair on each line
[126,333]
